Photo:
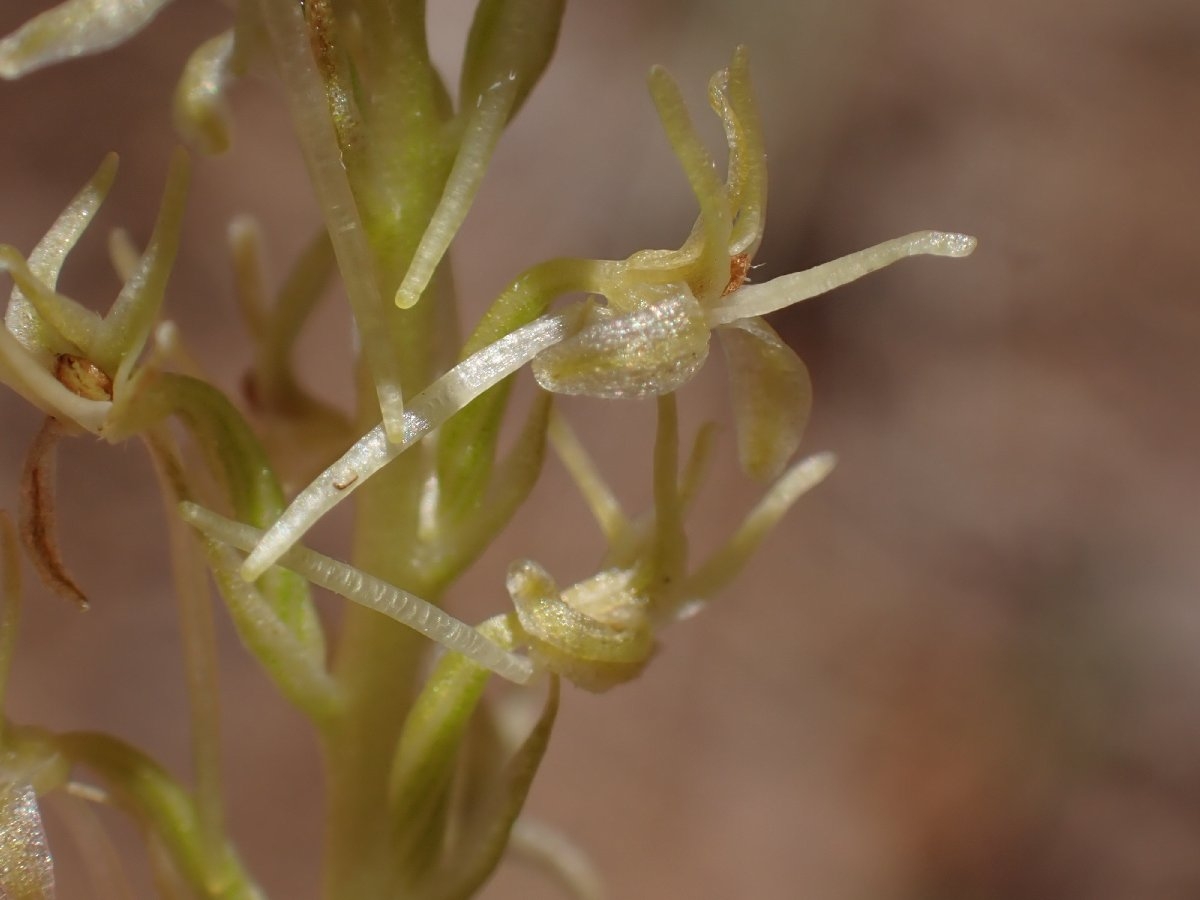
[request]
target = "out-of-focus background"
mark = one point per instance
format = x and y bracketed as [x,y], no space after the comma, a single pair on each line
[966,666]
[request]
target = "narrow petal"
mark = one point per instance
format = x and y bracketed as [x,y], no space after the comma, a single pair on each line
[600,499]
[760,299]
[47,258]
[732,557]
[510,44]
[715,222]
[71,29]
[747,156]
[480,135]
[199,104]
[428,410]
[131,318]
[772,396]
[59,324]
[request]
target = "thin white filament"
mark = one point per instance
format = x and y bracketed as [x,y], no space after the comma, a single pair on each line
[373,593]
[760,299]
[428,410]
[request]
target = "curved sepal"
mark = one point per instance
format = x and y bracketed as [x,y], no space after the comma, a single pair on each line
[772,396]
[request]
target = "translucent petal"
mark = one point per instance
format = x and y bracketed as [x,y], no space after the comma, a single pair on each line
[26,868]
[131,318]
[46,261]
[772,396]
[60,322]
[71,29]
[760,299]
[645,353]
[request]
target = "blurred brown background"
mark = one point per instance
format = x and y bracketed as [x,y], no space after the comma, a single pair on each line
[966,666]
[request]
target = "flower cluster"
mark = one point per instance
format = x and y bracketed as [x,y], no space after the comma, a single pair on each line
[648,337]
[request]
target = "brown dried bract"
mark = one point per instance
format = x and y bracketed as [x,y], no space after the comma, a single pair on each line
[82,377]
[37,514]
[739,268]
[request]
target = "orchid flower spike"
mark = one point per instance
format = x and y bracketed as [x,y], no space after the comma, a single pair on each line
[653,335]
